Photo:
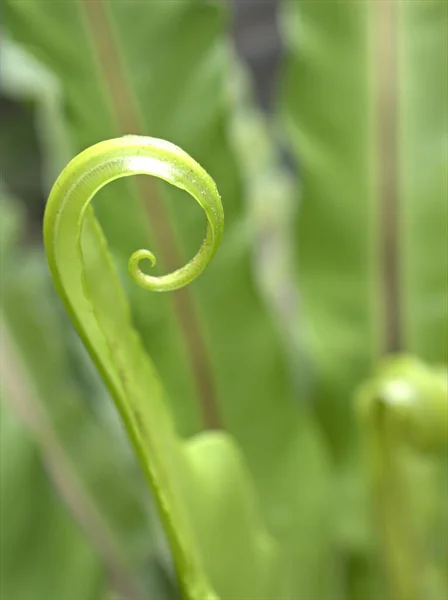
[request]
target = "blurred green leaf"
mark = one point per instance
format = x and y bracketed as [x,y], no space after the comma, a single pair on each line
[327,112]
[423,178]
[364,105]
[36,533]
[269,191]
[92,470]
[364,109]
[43,554]
[27,80]
[11,223]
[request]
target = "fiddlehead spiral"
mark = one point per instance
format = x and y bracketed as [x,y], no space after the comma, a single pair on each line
[405,407]
[130,155]
[410,400]
[88,283]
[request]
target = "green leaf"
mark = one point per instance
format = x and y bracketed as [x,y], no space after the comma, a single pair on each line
[423,178]
[365,109]
[43,554]
[36,531]
[200,486]
[29,82]
[327,112]
[87,460]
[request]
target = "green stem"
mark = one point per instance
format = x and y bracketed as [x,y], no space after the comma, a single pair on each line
[86,279]
[398,542]
[403,409]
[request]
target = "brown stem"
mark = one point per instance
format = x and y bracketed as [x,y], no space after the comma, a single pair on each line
[385,46]
[129,121]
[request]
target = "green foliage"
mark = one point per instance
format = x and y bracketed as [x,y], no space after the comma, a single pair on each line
[31,517]
[314,281]
[405,409]
[329,124]
[216,377]
[351,111]
[423,179]
[368,129]
[180,477]
[85,457]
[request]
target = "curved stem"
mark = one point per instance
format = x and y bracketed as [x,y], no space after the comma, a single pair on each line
[87,282]
[136,155]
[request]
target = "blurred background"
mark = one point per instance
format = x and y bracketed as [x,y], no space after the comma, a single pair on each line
[324,125]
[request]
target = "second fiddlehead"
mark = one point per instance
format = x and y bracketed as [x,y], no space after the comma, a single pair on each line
[403,410]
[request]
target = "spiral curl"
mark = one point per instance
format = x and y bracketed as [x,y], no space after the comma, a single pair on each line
[130,155]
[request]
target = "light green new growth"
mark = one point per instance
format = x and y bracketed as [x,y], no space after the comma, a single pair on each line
[404,408]
[201,486]
[135,155]
[86,280]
